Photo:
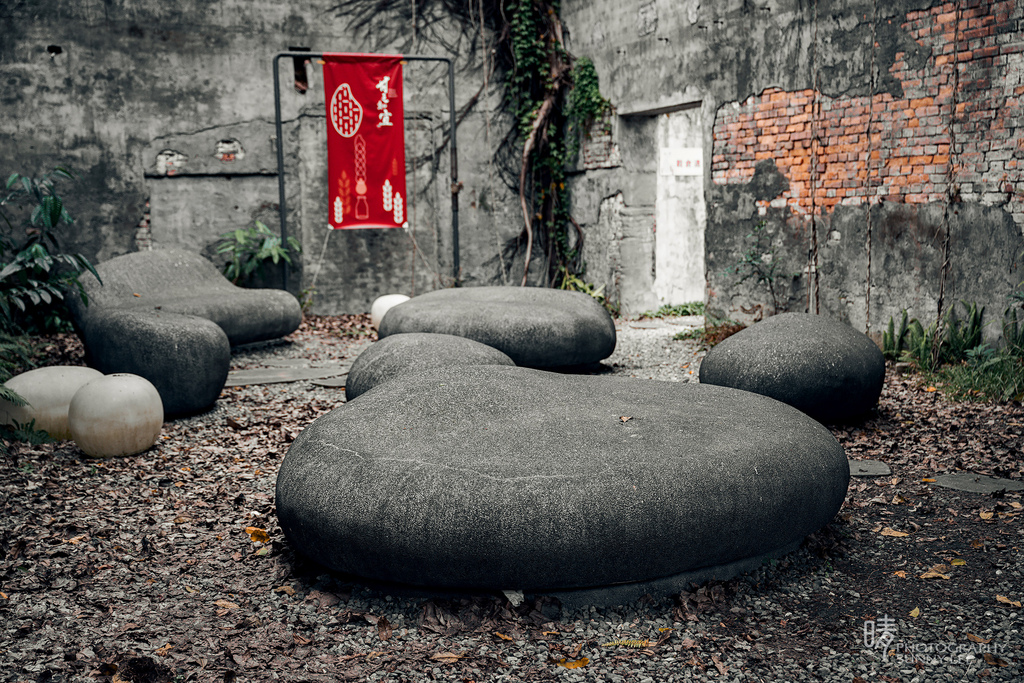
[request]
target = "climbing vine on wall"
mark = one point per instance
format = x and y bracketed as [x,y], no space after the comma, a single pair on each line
[535,93]
[586,103]
[552,99]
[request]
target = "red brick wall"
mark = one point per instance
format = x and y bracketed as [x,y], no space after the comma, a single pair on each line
[908,156]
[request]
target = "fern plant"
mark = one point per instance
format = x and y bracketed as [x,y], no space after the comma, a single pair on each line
[574,283]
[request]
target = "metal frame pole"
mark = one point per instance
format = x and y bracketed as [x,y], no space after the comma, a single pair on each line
[282,206]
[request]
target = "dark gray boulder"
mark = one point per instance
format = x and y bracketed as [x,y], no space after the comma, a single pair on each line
[169,315]
[402,354]
[185,357]
[535,327]
[494,477]
[823,367]
[178,281]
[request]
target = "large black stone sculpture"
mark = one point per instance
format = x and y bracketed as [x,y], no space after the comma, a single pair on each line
[169,315]
[493,477]
[403,354]
[534,327]
[823,367]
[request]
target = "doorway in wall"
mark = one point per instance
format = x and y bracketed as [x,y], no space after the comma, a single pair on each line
[681,215]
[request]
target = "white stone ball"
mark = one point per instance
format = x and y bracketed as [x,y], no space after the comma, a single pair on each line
[382,305]
[49,392]
[116,415]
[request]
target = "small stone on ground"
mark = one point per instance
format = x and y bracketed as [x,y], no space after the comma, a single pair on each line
[241,378]
[977,483]
[869,468]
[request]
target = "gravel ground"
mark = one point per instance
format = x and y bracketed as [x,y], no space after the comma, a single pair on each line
[138,569]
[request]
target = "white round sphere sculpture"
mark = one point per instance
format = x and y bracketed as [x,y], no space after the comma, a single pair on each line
[382,305]
[48,392]
[116,415]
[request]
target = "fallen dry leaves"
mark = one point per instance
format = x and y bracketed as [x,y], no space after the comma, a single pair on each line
[571,664]
[1007,601]
[939,571]
[172,562]
[445,657]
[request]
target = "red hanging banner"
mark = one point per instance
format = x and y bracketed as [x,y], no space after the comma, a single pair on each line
[365,141]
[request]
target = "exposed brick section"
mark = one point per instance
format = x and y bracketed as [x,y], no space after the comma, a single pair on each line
[598,148]
[144,233]
[907,156]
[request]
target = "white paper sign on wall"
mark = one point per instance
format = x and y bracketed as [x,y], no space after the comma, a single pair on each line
[682,161]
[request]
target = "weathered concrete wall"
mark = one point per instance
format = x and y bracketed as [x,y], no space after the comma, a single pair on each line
[129,75]
[614,202]
[802,140]
[172,103]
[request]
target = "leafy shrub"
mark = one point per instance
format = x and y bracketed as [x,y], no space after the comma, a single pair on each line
[1013,333]
[893,341]
[16,355]
[930,347]
[713,332]
[250,249]
[954,356]
[986,375]
[670,310]
[575,283]
[759,262]
[35,273]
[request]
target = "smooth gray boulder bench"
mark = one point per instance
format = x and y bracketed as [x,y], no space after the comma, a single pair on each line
[821,366]
[496,477]
[402,354]
[170,316]
[535,327]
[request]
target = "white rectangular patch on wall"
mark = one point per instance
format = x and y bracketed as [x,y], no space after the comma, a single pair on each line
[681,161]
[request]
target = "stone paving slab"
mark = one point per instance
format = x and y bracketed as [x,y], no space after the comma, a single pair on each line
[332,382]
[869,468]
[661,323]
[977,483]
[239,378]
[289,363]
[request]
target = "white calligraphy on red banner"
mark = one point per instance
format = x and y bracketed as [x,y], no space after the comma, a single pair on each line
[365,158]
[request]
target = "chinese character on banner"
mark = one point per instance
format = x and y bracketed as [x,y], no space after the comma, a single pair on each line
[365,141]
